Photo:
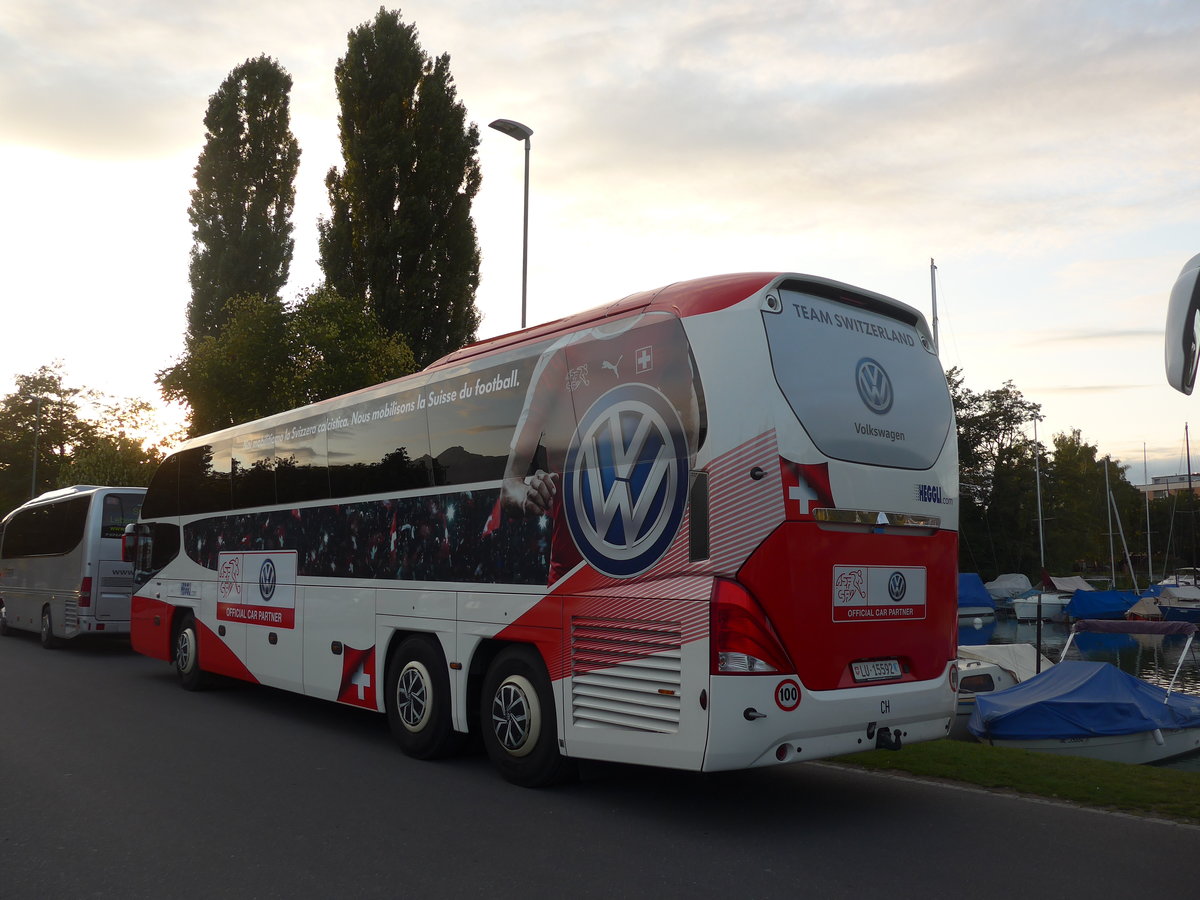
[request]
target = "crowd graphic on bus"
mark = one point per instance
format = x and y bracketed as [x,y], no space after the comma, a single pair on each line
[427,538]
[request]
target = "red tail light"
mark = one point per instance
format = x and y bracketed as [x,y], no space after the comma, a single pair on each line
[85,593]
[743,640]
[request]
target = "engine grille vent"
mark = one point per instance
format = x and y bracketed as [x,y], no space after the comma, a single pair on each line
[626,673]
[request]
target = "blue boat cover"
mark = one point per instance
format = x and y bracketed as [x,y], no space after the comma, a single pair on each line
[1077,698]
[1100,604]
[971,591]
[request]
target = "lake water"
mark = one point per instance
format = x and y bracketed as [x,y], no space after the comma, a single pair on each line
[1149,657]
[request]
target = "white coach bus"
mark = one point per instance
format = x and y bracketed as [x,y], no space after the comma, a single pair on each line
[61,572]
[707,527]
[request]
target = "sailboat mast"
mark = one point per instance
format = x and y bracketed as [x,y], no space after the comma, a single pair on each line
[1149,556]
[1112,559]
[1187,443]
[1037,477]
[933,293]
[1037,480]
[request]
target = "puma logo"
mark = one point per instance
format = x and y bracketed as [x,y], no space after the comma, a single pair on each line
[612,366]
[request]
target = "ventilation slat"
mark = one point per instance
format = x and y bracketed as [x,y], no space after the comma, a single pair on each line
[626,673]
[648,694]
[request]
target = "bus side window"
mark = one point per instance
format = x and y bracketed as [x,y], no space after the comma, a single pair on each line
[254,473]
[301,465]
[380,455]
[204,479]
[50,530]
[162,497]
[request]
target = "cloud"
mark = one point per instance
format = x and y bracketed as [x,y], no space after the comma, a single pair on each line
[1091,337]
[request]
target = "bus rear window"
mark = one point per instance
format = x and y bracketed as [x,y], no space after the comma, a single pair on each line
[119,510]
[860,379]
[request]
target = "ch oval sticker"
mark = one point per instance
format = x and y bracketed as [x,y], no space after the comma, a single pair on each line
[787,695]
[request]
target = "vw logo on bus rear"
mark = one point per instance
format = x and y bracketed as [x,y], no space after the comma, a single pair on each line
[625,480]
[874,386]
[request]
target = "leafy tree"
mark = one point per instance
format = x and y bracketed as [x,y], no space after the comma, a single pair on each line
[240,373]
[40,419]
[1175,532]
[1077,508]
[340,347]
[268,357]
[998,510]
[400,232]
[114,455]
[44,417]
[999,464]
[241,206]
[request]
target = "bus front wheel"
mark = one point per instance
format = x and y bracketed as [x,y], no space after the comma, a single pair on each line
[187,655]
[518,721]
[417,698]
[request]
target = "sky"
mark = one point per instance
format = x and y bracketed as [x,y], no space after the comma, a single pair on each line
[1046,155]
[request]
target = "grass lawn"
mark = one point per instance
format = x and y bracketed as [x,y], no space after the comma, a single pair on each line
[1143,790]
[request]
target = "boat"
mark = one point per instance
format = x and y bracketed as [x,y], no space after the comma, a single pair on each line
[1056,594]
[1172,604]
[1005,587]
[985,669]
[1186,577]
[1180,604]
[1053,603]
[974,602]
[1093,709]
[1105,604]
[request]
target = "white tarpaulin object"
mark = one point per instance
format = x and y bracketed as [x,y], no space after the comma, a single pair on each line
[1071,585]
[1007,586]
[1018,660]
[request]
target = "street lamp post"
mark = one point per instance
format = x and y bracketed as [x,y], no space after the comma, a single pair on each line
[520,132]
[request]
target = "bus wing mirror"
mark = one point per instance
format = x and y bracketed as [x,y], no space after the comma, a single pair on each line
[1183,328]
[129,542]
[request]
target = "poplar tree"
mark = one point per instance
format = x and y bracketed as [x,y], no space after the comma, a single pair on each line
[241,206]
[400,233]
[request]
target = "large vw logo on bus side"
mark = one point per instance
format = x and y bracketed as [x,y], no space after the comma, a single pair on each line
[625,480]
[874,386]
[266,579]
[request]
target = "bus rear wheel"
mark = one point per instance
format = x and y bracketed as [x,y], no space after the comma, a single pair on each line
[417,698]
[187,655]
[49,641]
[518,721]
[5,631]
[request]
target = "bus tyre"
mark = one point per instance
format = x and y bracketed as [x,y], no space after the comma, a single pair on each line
[49,641]
[417,699]
[187,655]
[518,720]
[5,631]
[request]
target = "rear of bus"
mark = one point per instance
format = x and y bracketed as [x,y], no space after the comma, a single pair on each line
[61,572]
[838,631]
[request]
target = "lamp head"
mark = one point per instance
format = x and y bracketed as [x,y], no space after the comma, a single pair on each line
[514,130]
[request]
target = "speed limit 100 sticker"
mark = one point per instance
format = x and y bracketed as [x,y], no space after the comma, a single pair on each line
[787,695]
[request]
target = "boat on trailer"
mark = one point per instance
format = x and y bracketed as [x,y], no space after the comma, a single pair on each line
[1093,709]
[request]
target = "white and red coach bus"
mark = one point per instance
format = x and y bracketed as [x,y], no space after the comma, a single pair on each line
[707,527]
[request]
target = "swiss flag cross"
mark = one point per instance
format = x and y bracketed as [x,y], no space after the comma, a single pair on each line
[358,677]
[806,487]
